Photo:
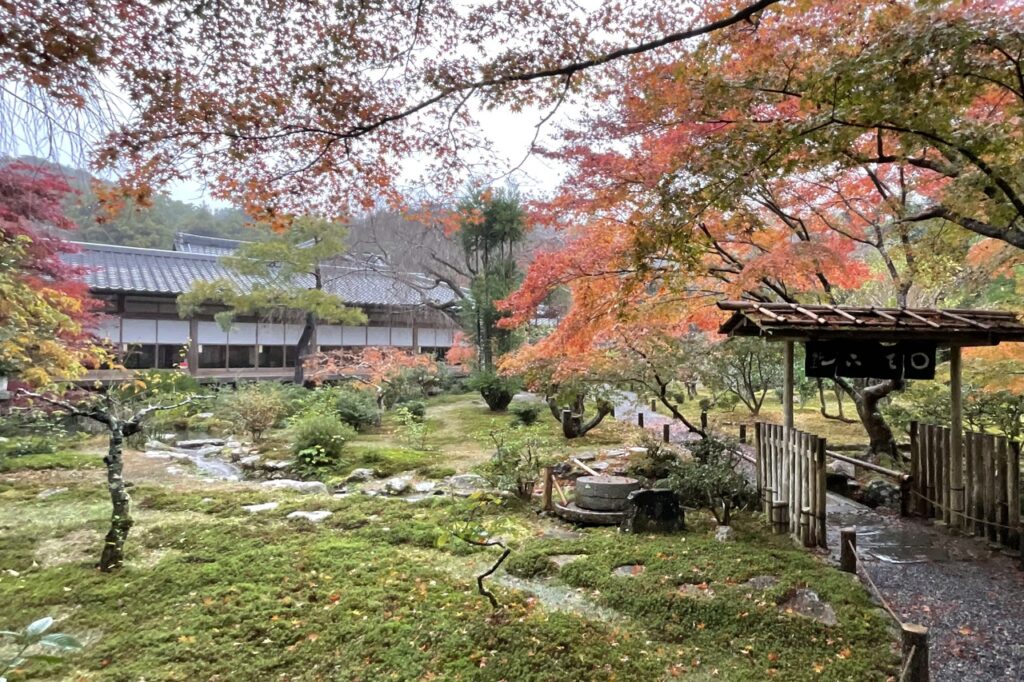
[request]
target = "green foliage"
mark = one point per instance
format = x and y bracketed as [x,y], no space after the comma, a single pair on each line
[413,429]
[255,408]
[655,464]
[417,408]
[983,411]
[59,459]
[411,383]
[356,408]
[318,440]
[746,368]
[526,413]
[710,480]
[27,445]
[497,390]
[35,635]
[519,454]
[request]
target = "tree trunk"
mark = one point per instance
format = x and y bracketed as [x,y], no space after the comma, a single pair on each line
[120,518]
[302,349]
[880,435]
[573,425]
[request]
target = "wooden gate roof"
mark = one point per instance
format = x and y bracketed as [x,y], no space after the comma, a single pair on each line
[793,321]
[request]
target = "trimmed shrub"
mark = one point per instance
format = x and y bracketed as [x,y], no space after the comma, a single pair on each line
[497,391]
[255,408]
[319,440]
[526,413]
[356,408]
[417,408]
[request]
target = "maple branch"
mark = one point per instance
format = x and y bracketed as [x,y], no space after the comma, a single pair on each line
[1009,234]
[74,410]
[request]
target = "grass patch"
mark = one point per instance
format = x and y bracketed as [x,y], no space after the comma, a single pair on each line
[211,592]
[51,460]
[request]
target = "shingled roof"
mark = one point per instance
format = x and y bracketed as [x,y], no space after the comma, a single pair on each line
[793,321]
[124,269]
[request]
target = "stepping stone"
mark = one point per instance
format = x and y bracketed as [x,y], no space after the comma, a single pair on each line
[725,534]
[361,475]
[629,570]
[560,560]
[257,508]
[50,492]
[762,582]
[308,487]
[200,442]
[557,533]
[696,591]
[311,516]
[808,604]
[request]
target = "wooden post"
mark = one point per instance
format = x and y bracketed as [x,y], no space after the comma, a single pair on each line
[821,512]
[665,433]
[915,653]
[704,421]
[979,484]
[1003,492]
[640,419]
[969,482]
[779,517]
[549,477]
[988,468]
[787,385]
[803,453]
[758,464]
[1013,476]
[906,483]
[956,438]
[932,490]
[915,463]
[944,474]
[654,406]
[743,433]
[848,549]
[566,420]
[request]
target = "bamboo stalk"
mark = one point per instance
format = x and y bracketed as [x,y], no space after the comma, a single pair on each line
[1002,492]
[1013,476]
[821,512]
[916,470]
[969,482]
[979,485]
[988,464]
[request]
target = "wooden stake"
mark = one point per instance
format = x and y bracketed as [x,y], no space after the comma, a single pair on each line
[822,513]
[583,466]
[1003,492]
[561,493]
[916,470]
[549,477]
[640,419]
[787,385]
[956,438]
[915,653]
[848,549]
[1013,476]
[665,433]
[743,433]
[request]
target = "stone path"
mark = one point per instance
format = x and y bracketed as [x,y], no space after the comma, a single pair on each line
[969,595]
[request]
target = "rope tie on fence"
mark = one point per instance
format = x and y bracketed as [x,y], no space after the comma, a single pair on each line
[963,513]
[906,664]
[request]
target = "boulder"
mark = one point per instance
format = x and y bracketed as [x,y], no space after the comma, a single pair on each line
[169,437]
[250,462]
[276,464]
[808,604]
[200,442]
[652,511]
[725,534]
[307,487]
[879,493]
[311,516]
[424,486]
[359,475]
[466,483]
[156,454]
[205,451]
[841,468]
[157,445]
[257,508]
[399,485]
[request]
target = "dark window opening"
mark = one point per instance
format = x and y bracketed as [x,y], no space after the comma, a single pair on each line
[140,356]
[272,356]
[212,356]
[241,356]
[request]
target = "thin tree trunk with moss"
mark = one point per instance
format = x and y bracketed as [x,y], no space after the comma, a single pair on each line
[867,401]
[121,516]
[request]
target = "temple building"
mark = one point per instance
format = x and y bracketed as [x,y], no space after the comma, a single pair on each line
[139,288]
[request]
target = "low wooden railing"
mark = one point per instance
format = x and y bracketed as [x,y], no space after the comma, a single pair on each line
[790,467]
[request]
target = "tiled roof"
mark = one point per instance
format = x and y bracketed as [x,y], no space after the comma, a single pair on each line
[210,246]
[156,271]
[840,322]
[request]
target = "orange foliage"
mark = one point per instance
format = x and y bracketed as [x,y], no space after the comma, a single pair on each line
[374,366]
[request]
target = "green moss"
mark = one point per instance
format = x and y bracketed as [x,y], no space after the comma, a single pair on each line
[52,460]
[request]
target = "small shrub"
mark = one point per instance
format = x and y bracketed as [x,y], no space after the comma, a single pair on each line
[497,391]
[417,408]
[318,440]
[255,408]
[657,463]
[413,430]
[27,445]
[356,408]
[518,456]
[526,414]
[711,481]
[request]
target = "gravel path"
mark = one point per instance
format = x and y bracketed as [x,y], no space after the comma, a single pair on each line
[970,595]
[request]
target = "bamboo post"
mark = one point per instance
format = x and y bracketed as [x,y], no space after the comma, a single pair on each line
[979,484]
[805,490]
[915,653]
[916,468]
[930,490]
[988,464]
[969,482]
[956,438]
[664,433]
[1002,492]
[787,385]
[848,549]
[821,513]
[640,419]
[947,489]
[758,464]
[779,513]
[1013,476]
[548,485]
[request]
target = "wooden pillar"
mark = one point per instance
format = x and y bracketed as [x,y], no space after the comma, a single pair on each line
[956,439]
[821,505]
[848,549]
[915,653]
[665,432]
[192,356]
[640,419]
[548,485]
[917,468]
[988,467]
[787,385]
[654,405]
[1013,481]
[1003,500]
[743,433]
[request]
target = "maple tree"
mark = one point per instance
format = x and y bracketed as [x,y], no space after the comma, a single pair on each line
[45,309]
[375,367]
[746,168]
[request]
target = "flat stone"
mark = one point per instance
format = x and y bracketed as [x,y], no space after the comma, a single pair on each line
[361,475]
[311,516]
[590,517]
[175,471]
[232,444]
[808,604]
[629,570]
[725,534]
[698,591]
[636,450]
[560,560]
[467,482]
[561,533]
[204,415]
[424,486]
[585,457]
[762,582]
[617,453]
[250,462]
[157,445]
[841,468]
[599,466]
[257,508]
[200,442]
[399,485]
[307,487]
[156,454]
[169,437]
[50,492]
[277,464]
